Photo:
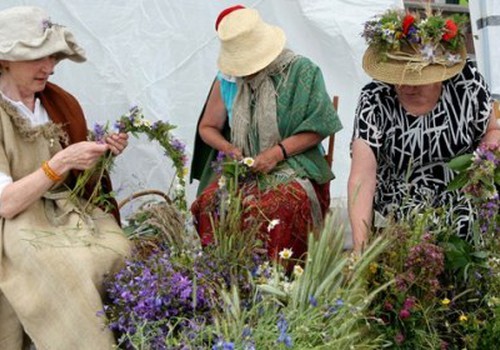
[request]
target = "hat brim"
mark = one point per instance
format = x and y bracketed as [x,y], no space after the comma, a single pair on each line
[55,41]
[400,73]
[255,57]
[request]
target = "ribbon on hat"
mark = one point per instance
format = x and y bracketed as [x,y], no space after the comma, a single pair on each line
[226,12]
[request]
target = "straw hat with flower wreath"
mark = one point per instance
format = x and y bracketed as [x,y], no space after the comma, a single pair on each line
[248,44]
[407,49]
[27,33]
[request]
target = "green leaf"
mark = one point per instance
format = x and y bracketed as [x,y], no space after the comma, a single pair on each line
[458,182]
[461,163]
[497,177]
[480,255]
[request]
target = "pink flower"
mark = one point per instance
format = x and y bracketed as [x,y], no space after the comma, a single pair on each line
[404,314]
[388,306]
[409,303]
[399,338]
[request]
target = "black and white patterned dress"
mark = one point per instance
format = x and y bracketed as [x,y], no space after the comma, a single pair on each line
[412,152]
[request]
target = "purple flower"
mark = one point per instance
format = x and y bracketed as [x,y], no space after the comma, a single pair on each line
[46,24]
[99,133]
[120,126]
[223,345]
[178,145]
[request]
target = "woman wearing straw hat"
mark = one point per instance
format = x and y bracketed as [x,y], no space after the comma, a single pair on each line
[426,105]
[53,257]
[276,110]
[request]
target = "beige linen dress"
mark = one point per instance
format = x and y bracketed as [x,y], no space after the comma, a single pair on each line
[53,258]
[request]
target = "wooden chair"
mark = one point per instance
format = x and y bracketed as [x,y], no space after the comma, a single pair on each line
[331,138]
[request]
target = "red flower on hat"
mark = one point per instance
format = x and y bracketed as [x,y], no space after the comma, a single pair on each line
[451,30]
[407,23]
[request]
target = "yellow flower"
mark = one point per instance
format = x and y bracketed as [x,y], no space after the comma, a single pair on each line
[285,254]
[185,171]
[373,267]
[298,270]
[462,318]
[445,301]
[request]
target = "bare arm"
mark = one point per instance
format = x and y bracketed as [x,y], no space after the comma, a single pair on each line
[361,190]
[212,122]
[492,135]
[295,144]
[20,194]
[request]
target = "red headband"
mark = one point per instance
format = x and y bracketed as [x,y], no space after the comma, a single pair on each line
[226,12]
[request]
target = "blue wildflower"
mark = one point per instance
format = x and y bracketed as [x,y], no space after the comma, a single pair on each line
[313,301]
[283,328]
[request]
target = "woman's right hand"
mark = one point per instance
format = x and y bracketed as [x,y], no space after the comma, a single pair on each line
[233,151]
[80,156]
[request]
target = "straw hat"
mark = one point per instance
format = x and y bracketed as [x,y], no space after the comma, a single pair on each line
[404,72]
[26,33]
[402,50]
[248,44]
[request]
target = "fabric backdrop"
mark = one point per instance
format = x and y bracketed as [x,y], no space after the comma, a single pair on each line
[485,20]
[161,55]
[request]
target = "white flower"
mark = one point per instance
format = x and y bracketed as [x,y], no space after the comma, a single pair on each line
[428,53]
[453,58]
[222,182]
[272,224]
[248,161]
[298,270]
[285,254]
[137,121]
[287,287]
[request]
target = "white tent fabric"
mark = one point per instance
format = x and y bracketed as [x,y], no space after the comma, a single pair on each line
[161,55]
[485,21]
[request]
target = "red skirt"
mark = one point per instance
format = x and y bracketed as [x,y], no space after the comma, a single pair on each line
[287,203]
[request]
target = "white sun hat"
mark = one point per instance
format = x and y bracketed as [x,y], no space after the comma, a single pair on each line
[27,33]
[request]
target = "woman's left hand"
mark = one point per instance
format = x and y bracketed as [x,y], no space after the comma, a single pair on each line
[267,160]
[117,142]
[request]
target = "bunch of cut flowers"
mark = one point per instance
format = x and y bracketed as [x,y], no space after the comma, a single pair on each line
[446,288]
[230,295]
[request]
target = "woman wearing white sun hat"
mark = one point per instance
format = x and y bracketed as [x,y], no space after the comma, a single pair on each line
[276,110]
[53,257]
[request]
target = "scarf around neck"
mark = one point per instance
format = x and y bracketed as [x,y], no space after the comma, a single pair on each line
[255,124]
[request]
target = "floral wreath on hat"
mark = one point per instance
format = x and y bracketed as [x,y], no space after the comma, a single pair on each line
[432,39]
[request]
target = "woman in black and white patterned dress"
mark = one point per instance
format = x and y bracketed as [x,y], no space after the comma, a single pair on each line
[407,127]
